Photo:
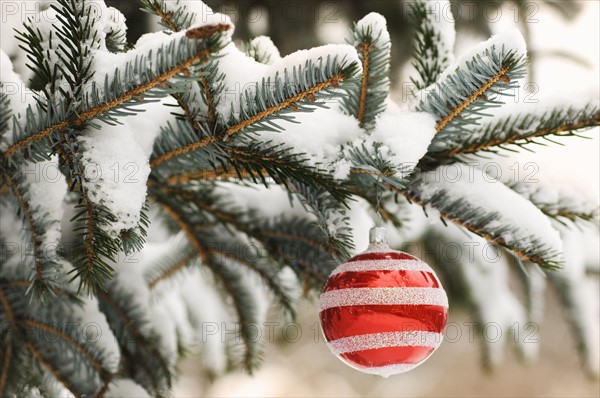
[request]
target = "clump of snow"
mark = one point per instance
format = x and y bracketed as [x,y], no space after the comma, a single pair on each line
[47,188]
[271,202]
[116,24]
[115,173]
[265,50]
[377,24]
[509,41]
[319,134]
[208,319]
[406,134]
[126,388]
[94,327]
[145,129]
[14,88]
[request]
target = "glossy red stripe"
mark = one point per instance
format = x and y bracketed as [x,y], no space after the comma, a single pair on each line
[383,256]
[365,319]
[384,278]
[388,356]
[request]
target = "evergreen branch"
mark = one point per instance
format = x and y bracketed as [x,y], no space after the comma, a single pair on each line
[364,52]
[229,278]
[283,165]
[67,358]
[38,222]
[523,129]
[458,101]
[286,103]
[103,390]
[455,112]
[186,58]
[209,246]
[139,353]
[44,75]
[176,21]
[172,18]
[555,204]
[187,230]
[296,90]
[432,47]
[55,373]
[166,17]
[209,99]
[6,358]
[116,37]
[25,284]
[204,142]
[372,163]
[299,243]
[330,215]
[78,40]
[5,113]
[262,50]
[97,365]
[264,271]
[232,282]
[171,270]
[568,288]
[477,219]
[212,175]
[91,258]
[371,40]
[33,231]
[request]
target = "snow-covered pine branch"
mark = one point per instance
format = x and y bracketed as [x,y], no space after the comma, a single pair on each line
[434,40]
[372,42]
[255,174]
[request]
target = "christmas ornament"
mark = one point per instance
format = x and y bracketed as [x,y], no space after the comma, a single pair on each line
[383,312]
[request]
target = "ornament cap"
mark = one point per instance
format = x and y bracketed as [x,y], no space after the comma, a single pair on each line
[378,238]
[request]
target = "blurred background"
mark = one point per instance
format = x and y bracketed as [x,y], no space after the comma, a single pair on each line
[563,42]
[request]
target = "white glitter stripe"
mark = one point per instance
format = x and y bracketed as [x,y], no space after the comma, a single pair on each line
[388,370]
[382,265]
[383,296]
[387,339]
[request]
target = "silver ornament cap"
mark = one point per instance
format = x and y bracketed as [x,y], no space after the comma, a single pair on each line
[378,239]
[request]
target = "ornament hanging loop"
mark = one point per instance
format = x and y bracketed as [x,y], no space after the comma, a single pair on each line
[378,196]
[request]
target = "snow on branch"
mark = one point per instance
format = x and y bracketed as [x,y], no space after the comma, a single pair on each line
[475,83]
[434,40]
[40,202]
[295,84]
[557,204]
[372,42]
[121,80]
[488,208]
[263,50]
[521,129]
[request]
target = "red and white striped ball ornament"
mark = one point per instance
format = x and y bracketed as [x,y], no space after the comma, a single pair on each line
[383,312]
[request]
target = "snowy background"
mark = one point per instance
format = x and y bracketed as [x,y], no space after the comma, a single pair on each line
[301,365]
